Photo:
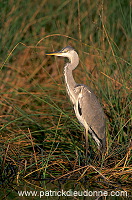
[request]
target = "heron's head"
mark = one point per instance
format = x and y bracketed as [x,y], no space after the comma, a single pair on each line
[68,52]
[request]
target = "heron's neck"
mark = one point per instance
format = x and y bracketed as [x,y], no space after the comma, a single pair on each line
[70,82]
[74,60]
[69,67]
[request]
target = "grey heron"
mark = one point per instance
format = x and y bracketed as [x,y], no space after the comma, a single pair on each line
[86,105]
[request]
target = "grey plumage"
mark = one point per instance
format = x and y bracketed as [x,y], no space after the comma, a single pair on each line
[86,105]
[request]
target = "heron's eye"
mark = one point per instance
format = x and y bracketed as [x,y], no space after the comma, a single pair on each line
[65,51]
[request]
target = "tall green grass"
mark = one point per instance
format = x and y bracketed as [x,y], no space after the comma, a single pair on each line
[40,135]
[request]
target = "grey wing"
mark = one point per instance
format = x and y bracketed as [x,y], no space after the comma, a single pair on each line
[92,111]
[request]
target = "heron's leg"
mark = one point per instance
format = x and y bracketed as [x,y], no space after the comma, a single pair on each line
[86,138]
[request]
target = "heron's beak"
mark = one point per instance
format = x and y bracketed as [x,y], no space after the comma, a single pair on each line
[55,53]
